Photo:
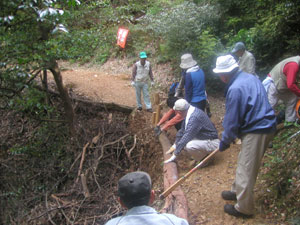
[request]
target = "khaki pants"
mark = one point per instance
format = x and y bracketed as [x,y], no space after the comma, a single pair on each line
[199,149]
[249,160]
[289,99]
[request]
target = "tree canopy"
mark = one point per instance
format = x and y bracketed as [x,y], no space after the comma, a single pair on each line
[34,34]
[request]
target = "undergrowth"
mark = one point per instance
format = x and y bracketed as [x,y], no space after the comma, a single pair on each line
[280,178]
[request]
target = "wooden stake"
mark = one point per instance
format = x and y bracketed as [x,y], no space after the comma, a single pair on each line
[157,114]
[156,99]
[154,118]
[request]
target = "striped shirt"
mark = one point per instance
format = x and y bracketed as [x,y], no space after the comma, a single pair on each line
[198,127]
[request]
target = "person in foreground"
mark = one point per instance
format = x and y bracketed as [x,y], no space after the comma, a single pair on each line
[250,117]
[136,194]
[198,135]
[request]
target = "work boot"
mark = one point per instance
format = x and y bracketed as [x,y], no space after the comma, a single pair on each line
[229,209]
[139,108]
[229,195]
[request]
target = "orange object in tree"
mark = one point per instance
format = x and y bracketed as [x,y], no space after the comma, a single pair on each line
[122,36]
[298,109]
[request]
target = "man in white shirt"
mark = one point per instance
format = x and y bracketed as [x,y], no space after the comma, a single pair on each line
[246,60]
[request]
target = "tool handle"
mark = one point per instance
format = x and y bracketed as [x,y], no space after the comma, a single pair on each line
[184,177]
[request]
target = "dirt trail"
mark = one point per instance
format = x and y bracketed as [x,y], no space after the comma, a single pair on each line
[98,84]
[111,83]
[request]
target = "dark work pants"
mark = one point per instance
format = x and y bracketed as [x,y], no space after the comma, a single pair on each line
[200,105]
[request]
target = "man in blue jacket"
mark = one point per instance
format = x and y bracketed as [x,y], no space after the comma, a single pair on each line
[194,82]
[250,117]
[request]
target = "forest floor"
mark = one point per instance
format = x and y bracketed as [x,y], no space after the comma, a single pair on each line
[111,83]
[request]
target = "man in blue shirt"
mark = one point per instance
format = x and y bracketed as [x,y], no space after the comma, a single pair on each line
[250,117]
[135,194]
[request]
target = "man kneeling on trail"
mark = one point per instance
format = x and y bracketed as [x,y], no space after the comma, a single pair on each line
[135,193]
[198,135]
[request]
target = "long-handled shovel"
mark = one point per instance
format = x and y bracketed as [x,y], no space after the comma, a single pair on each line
[180,181]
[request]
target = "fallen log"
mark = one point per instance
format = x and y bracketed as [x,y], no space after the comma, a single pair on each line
[176,202]
[107,105]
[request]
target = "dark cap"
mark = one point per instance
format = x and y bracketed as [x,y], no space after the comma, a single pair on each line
[135,186]
[238,46]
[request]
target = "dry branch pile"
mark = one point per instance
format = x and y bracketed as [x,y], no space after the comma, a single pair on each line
[78,185]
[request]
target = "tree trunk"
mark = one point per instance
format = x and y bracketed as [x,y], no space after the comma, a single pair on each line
[44,78]
[69,111]
[176,201]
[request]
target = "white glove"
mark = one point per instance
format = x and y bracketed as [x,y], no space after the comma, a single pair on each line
[171,150]
[132,83]
[152,83]
[173,157]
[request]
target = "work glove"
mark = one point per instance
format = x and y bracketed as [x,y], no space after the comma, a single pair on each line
[157,130]
[223,146]
[171,150]
[132,83]
[173,157]
[152,83]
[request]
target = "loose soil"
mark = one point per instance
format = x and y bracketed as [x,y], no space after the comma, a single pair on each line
[111,83]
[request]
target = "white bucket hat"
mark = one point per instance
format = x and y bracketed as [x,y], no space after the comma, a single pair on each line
[225,64]
[181,105]
[187,61]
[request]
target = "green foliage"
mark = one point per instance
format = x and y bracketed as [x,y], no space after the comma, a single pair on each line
[78,45]
[179,27]
[281,175]
[207,45]
[27,30]
[269,29]
[183,28]
[42,144]
[245,36]
[43,161]
[275,35]
[32,102]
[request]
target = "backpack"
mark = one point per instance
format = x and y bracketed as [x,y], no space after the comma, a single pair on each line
[171,98]
[172,89]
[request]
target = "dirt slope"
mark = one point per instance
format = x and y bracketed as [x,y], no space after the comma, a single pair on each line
[110,83]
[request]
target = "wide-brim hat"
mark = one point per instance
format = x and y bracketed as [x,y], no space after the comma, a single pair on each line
[225,64]
[181,105]
[143,55]
[238,46]
[187,61]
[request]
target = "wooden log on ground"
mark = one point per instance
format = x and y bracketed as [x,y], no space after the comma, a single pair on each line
[107,105]
[176,202]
